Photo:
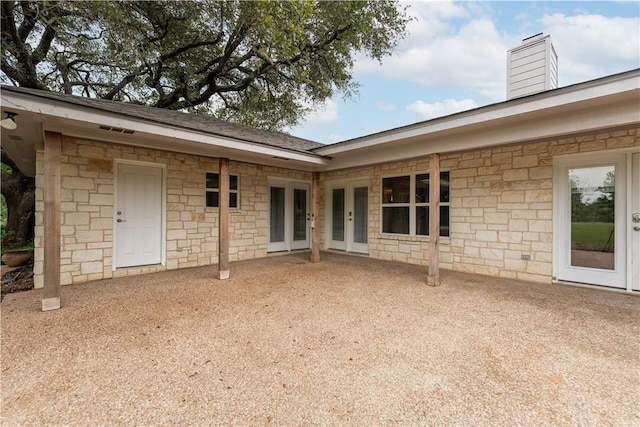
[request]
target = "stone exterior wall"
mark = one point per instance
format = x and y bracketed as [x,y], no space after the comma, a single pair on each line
[500,206]
[87,207]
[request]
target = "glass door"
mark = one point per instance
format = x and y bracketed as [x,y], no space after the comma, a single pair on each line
[301,216]
[590,234]
[289,215]
[635,223]
[277,219]
[348,216]
[359,218]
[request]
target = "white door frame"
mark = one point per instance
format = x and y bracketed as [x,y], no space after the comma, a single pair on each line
[289,186]
[633,191]
[348,244]
[624,275]
[163,221]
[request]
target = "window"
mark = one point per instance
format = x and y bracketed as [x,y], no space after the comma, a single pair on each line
[404,214]
[212,194]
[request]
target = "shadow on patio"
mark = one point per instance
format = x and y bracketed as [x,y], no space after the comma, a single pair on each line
[349,340]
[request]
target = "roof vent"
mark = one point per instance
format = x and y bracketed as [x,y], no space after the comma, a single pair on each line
[532,67]
[120,130]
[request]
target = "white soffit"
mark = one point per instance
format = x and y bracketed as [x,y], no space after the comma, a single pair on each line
[84,122]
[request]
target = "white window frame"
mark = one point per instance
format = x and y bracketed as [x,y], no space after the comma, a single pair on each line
[217,190]
[412,205]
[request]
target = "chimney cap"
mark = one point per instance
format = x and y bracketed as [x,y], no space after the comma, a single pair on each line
[532,38]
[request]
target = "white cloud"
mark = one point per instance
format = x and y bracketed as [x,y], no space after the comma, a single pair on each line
[591,46]
[458,46]
[449,46]
[439,109]
[324,114]
[383,106]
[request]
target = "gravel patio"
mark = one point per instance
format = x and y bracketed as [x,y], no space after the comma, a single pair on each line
[348,341]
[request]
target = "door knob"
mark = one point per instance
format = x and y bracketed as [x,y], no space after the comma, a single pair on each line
[121,220]
[636,228]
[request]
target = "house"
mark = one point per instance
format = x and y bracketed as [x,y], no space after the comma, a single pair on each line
[523,189]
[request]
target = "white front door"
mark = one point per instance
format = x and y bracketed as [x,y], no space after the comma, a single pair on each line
[634,228]
[138,215]
[289,215]
[591,228]
[348,216]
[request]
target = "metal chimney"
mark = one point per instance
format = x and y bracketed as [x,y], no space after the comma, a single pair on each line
[532,67]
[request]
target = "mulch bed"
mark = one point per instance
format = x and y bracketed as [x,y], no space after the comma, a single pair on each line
[18,280]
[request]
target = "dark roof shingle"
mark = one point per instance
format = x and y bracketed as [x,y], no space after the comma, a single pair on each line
[179,119]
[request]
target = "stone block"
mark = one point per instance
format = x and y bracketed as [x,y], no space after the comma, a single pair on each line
[516,175]
[91,267]
[76,218]
[77,183]
[487,236]
[510,236]
[82,256]
[176,234]
[101,199]
[525,161]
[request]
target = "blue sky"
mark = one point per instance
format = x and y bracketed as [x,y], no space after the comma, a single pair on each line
[454,59]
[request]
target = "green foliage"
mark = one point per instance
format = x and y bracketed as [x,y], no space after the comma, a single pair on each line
[261,63]
[595,236]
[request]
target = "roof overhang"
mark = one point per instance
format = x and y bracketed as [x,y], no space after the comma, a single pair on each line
[35,115]
[608,103]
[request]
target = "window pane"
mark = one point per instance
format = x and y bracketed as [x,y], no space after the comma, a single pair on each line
[233,182]
[233,200]
[395,220]
[422,221]
[338,215]
[444,186]
[212,181]
[212,199]
[422,188]
[396,190]
[276,225]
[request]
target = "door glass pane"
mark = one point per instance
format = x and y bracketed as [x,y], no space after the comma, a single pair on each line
[276,215]
[360,214]
[337,228]
[299,214]
[592,217]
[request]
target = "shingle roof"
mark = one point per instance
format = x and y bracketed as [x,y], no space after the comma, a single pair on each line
[179,119]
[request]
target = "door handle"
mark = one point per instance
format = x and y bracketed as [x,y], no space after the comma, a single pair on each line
[121,220]
[636,228]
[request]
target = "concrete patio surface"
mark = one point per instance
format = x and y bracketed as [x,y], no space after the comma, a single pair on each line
[347,341]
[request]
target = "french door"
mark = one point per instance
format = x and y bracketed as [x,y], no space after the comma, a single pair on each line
[289,215]
[348,216]
[596,206]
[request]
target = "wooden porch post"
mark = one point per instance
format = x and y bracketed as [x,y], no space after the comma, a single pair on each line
[52,183]
[315,216]
[434,220]
[223,220]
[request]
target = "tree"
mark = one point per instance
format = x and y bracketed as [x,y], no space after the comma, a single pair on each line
[260,63]
[19,193]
